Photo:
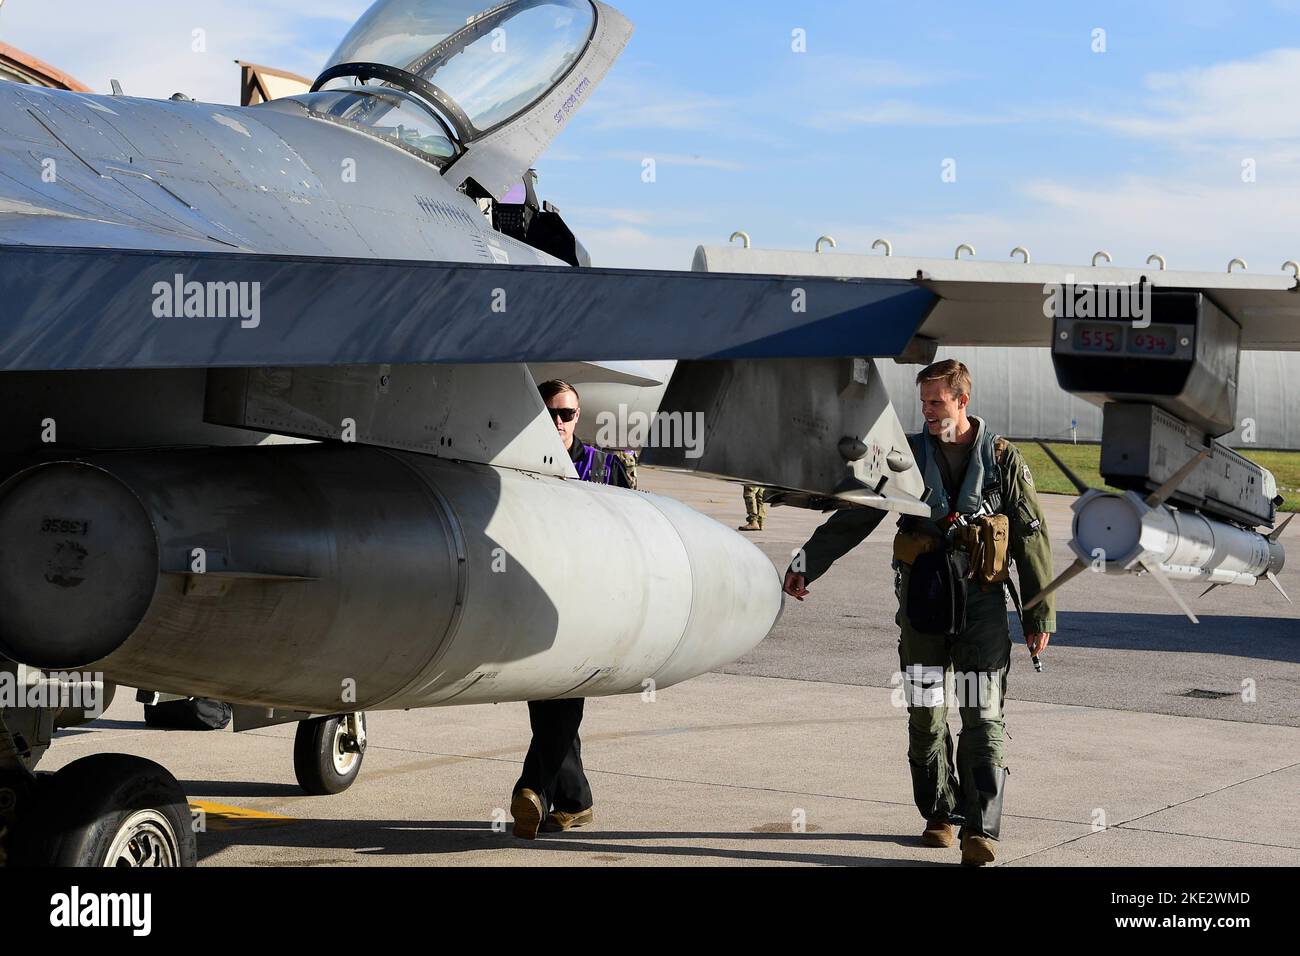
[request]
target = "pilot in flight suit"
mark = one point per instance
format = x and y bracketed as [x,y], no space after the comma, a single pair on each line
[964,467]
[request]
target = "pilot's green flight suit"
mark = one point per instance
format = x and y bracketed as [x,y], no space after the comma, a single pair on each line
[971,792]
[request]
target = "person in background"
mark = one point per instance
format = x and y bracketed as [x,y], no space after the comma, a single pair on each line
[755,508]
[552,793]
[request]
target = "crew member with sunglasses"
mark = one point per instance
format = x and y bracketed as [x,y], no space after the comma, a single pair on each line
[552,794]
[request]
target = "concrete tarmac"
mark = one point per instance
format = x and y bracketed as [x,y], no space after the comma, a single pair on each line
[1146,741]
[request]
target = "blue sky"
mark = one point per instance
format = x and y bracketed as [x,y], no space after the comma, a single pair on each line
[1137,149]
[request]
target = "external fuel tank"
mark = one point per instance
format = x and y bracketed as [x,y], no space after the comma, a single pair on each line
[341,577]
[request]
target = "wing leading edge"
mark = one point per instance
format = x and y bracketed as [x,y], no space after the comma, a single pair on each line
[102,309]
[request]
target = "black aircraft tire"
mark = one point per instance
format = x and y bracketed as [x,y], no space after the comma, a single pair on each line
[114,810]
[321,766]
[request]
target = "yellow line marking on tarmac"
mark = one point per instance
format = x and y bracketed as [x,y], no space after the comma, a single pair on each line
[221,816]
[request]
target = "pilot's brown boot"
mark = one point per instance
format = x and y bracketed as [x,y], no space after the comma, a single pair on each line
[526,808]
[976,850]
[753,524]
[938,833]
[559,821]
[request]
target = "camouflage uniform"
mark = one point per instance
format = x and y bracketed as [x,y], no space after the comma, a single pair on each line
[969,792]
[628,457]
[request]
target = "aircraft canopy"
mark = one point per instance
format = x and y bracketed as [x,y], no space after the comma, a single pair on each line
[492,63]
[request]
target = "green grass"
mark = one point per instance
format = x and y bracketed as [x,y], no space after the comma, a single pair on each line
[1083,461]
[1285,466]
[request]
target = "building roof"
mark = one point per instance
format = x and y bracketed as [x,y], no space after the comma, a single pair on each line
[27,68]
[261,83]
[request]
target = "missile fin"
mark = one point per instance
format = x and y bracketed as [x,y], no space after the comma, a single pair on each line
[1272,579]
[1277,532]
[1158,497]
[1076,568]
[1165,583]
[1210,588]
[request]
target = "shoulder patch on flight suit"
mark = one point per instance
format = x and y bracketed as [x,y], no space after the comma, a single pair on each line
[1029,478]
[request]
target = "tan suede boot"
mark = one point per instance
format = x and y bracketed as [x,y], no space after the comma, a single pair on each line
[939,833]
[977,850]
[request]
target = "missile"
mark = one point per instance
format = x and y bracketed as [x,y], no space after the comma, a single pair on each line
[341,577]
[1131,534]
[1122,534]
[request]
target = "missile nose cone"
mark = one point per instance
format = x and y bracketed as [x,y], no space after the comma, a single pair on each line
[1109,524]
[78,565]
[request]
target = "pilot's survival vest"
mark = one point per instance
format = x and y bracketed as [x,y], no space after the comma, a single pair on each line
[985,480]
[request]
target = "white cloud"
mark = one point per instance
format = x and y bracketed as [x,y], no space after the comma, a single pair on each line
[674,159]
[624,217]
[1222,104]
[627,102]
[1195,225]
[633,216]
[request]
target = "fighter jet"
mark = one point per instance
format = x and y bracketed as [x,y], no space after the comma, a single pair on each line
[364,268]
[272,432]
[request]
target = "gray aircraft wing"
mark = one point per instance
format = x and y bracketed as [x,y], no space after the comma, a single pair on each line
[69,308]
[982,303]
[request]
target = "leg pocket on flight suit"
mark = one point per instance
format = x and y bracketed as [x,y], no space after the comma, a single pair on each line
[985,644]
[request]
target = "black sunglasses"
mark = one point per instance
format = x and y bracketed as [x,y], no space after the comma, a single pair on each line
[563,414]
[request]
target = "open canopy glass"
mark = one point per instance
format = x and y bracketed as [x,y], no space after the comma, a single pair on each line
[486,65]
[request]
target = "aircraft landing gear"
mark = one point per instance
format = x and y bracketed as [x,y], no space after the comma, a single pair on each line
[102,810]
[108,810]
[327,752]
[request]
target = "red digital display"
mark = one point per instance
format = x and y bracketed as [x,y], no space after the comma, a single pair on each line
[1157,340]
[1116,338]
[1098,338]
